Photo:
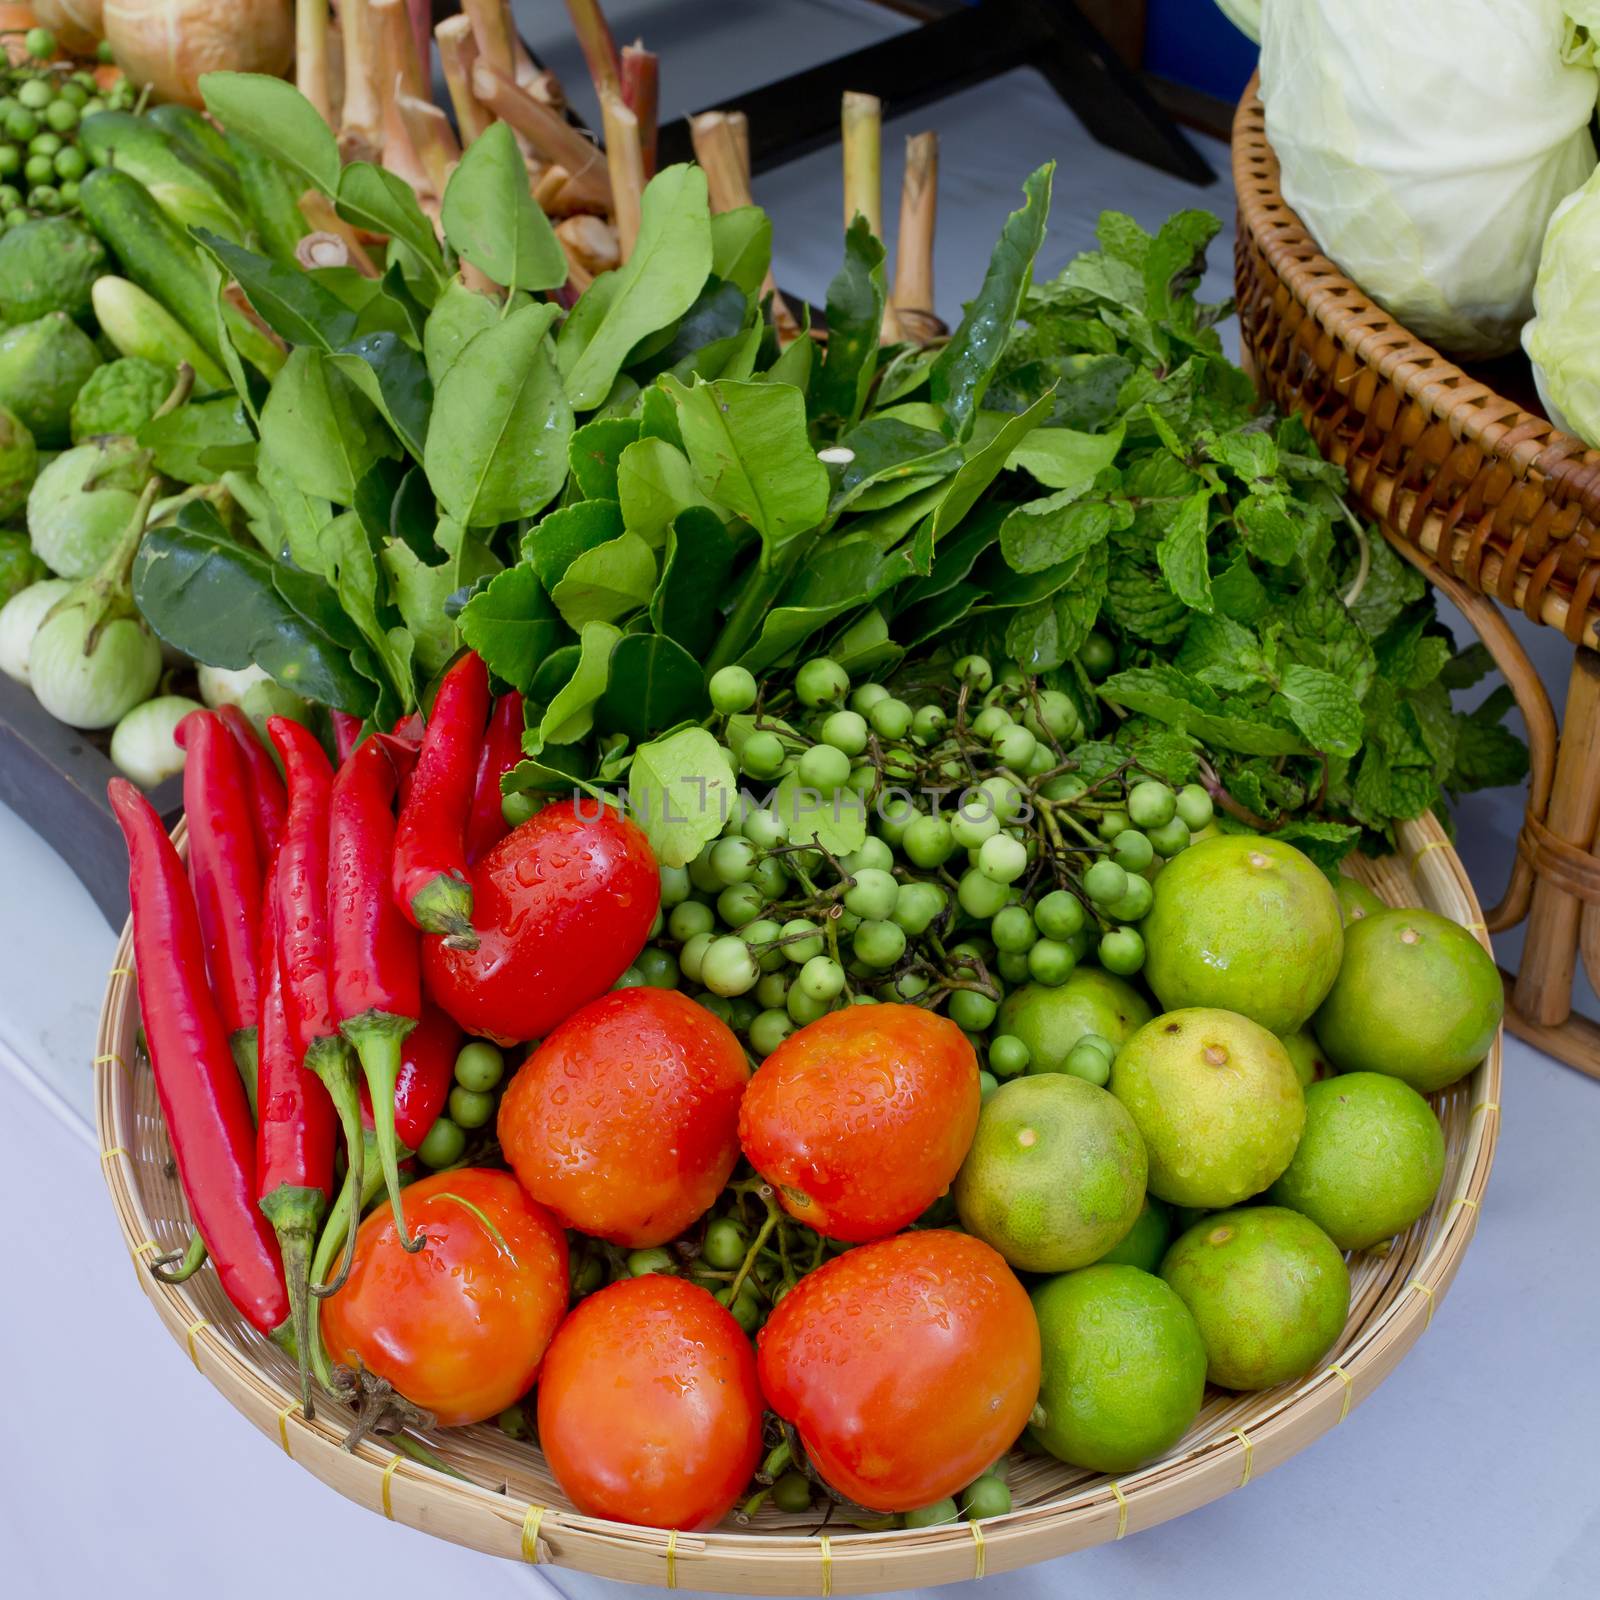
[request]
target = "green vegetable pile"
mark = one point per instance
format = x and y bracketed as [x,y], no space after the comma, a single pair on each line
[613,501]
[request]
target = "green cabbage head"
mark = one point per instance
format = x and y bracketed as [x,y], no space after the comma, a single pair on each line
[1425,144]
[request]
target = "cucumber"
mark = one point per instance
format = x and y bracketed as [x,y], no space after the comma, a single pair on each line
[271,200]
[165,262]
[137,325]
[135,146]
[203,146]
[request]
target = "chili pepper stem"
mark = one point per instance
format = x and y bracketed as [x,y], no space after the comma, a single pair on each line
[242,1045]
[180,1265]
[377,1037]
[295,1210]
[331,1060]
[444,906]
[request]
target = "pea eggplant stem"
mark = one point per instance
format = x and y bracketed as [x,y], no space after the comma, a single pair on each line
[430,880]
[300,881]
[226,869]
[294,1149]
[202,1099]
[376,959]
[502,750]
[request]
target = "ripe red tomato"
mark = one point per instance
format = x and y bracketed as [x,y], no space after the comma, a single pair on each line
[461,1326]
[861,1119]
[625,1121]
[561,906]
[649,1409]
[908,1366]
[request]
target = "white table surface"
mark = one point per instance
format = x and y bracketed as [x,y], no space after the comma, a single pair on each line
[1468,1474]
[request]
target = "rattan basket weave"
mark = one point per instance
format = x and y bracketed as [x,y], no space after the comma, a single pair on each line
[1493,492]
[513,1508]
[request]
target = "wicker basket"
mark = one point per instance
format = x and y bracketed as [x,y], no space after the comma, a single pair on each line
[1489,500]
[513,1508]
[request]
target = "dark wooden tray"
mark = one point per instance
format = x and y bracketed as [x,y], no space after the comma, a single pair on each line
[54,778]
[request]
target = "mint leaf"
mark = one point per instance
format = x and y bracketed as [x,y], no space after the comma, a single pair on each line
[1165,693]
[1322,707]
[1184,553]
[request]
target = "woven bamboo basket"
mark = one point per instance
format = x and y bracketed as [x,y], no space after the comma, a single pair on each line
[1490,500]
[512,1507]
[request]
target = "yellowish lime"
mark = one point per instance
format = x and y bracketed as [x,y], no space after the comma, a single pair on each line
[1051,1020]
[1246,924]
[1217,1101]
[1370,1161]
[1268,1289]
[1416,997]
[1055,1176]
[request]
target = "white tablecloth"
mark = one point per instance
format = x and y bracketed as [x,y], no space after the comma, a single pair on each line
[1468,1474]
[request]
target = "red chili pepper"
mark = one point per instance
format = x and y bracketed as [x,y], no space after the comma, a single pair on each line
[266,786]
[430,857]
[346,733]
[376,961]
[202,1099]
[225,868]
[294,1148]
[427,1070]
[502,750]
[300,894]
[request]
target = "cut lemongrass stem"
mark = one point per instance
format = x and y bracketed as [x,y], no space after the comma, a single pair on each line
[625,163]
[432,138]
[319,212]
[457,51]
[913,260]
[295,1212]
[641,93]
[490,21]
[861,124]
[361,120]
[599,48]
[377,1037]
[311,70]
[552,136]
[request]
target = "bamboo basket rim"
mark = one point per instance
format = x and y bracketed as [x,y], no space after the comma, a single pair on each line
[1527,445]
[512,1509]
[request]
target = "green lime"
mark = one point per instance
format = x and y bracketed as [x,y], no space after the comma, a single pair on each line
[1417,997]
[1244,923]
[1268,1289]
[1050,1020]
[1218,1103]
[1356,900]
[1369,1163]
[1144,1244]
[1309,1059]
[1055,1174]
[1124,1368]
